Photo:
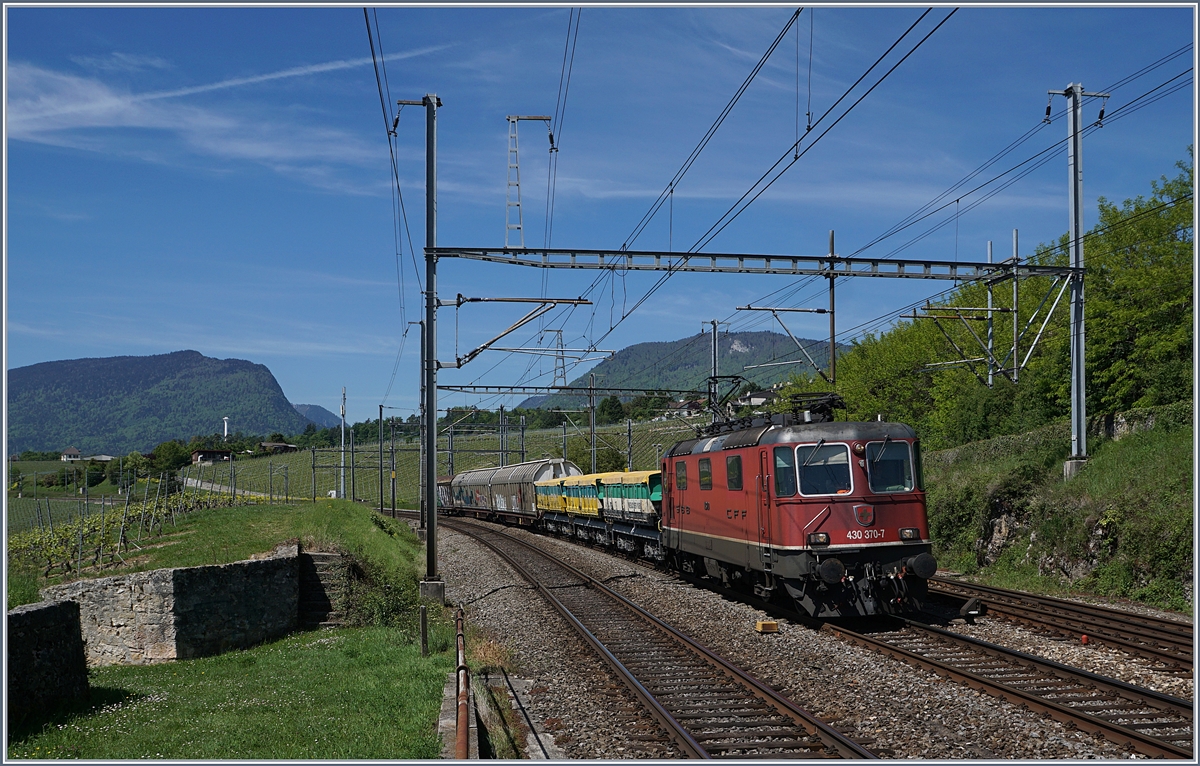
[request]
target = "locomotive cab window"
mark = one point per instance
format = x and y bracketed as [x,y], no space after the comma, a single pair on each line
[680,475]
[785,472]
[733,472]
[889,467]
[824,469]
[705,473]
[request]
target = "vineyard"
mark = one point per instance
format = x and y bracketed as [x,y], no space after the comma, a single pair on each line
[101,534]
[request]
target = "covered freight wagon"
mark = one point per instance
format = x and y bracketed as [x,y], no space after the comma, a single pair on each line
[506,492]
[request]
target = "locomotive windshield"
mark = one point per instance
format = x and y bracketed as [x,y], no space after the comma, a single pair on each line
[889,467]
[826,470]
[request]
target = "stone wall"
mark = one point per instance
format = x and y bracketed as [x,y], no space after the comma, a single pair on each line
[189,612]
[45,658]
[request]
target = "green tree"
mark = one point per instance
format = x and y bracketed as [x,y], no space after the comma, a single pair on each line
[1140,296]
[609,410]
[647,407]
[93,473]
[171,456]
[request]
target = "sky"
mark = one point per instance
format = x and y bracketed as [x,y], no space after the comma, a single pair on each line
[219,178]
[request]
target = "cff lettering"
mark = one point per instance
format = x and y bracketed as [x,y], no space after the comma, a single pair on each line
[733,513]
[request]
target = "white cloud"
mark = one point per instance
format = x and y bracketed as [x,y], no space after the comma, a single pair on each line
[121,62]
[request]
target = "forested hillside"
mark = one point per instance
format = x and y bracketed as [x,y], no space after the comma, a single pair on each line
[125,403]
[684,364]
[1139,298]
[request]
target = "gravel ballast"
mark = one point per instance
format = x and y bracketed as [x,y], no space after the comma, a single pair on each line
[896,710]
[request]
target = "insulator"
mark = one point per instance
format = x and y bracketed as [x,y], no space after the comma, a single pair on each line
[1048,107]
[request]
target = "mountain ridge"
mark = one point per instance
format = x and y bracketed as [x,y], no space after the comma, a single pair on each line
[686,363]
[125,403]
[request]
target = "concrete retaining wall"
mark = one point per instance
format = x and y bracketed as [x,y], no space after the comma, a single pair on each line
[45,658]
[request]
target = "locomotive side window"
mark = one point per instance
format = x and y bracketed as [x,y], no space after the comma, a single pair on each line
[889,467]
[705,473]
[825,469]
[733,472]
[785,472]
[680,475]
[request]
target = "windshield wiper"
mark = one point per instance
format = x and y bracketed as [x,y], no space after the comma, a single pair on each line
[812,454]
[886,438]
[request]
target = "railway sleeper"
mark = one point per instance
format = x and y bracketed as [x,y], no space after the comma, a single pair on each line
[772,747]
[760,738]
[740,723]
[722,705]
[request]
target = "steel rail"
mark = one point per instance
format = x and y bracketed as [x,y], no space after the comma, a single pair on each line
[1167,641]
[830,737]
[1130,735]
[674,729]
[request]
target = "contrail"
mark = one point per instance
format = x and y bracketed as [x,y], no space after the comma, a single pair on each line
[300,71]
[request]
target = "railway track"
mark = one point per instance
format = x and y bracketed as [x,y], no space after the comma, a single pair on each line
[1143,720]
[1166,641]
[708,707]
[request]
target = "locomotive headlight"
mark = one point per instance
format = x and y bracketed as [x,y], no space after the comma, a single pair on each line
[818,538]
[910,533]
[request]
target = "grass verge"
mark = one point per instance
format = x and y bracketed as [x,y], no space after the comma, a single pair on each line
[338,694]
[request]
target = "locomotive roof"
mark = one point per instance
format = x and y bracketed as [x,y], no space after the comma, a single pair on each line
[802,432]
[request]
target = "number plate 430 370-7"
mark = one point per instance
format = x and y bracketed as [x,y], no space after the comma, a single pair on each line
[866,534]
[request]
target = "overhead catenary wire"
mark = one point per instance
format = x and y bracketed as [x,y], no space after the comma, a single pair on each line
[606,275]
[1040,158]
[1053,150]
[560,110]
[727,218]
[708,135]
[670,271]
[739,207]
[397,194]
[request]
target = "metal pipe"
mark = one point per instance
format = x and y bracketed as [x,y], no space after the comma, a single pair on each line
[462,743]
[592,417]
[431,103]
[1075,195]
[832,324]
[381,458]
[990,335]
[342,483]
[1016,259]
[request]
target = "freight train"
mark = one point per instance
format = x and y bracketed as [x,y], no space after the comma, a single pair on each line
[795,507]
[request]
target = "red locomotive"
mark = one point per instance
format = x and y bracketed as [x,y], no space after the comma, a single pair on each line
[830,513]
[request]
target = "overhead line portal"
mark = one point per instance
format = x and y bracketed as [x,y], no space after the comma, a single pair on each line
[748,263]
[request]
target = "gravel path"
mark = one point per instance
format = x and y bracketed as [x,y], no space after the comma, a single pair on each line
[897,710]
